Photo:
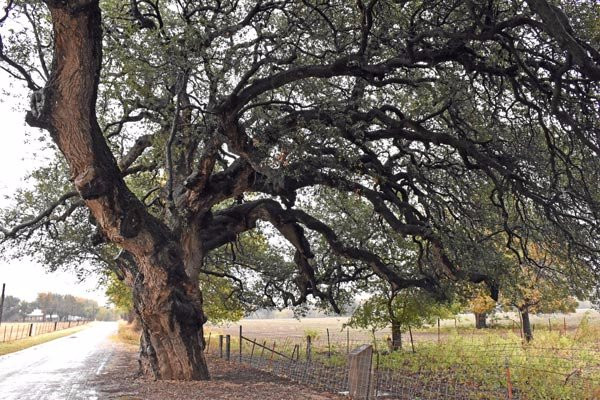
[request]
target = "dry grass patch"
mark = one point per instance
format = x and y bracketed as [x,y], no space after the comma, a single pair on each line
[127,334]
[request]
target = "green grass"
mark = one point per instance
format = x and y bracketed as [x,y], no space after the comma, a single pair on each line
[16,345]
[553,366]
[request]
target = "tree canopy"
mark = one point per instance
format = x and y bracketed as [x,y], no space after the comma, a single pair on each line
[187,125]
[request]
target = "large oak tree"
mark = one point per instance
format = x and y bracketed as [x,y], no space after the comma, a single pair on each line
[186,124]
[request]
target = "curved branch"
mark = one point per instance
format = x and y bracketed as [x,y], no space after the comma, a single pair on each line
[557,25]
[11,233]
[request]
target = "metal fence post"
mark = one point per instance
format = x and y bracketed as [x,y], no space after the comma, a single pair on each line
[252,351]
[220,346]
[328,345]
[227,347]
[272,355]
[508,381]
[347,340]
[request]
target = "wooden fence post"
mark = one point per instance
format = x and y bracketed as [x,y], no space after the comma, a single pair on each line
[30,329]
[438,330]
[359,372]
[328,345]
[2,302]
[308,348]
[208,342]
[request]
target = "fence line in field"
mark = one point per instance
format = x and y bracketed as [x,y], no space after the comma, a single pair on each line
[326,364]
[21,330]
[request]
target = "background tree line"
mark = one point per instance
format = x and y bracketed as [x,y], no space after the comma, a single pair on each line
[54,306]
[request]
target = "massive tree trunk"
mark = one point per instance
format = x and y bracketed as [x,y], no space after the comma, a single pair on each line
[167,300]
[527,333]
[480,320]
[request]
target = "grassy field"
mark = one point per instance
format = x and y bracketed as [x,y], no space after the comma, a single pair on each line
[558,364]
[16,345]
[464,323]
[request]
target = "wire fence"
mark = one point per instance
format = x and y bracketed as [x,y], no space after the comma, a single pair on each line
[20,330]
[341,364]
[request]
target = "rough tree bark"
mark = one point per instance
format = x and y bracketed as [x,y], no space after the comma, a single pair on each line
[168,302]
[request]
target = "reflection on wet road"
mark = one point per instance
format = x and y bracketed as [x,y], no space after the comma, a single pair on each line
[60,369]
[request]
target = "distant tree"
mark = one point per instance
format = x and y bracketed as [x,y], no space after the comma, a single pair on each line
[398,310]
[119,294]
[14,308]
[66,305]
[47,302]
[107,314]
[481,305]
[536,291]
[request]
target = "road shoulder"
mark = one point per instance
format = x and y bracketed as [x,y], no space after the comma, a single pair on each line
[119,380]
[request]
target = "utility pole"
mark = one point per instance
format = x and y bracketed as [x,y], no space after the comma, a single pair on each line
[2,302]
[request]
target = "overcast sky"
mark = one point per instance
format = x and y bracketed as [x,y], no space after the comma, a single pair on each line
[24,279]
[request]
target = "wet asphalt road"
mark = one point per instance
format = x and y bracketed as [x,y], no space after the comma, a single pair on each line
[60,369]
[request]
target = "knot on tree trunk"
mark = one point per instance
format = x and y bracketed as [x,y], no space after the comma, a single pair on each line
[91,184]
[37,116]
[131,223]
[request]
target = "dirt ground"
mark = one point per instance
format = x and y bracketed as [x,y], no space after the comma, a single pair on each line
[229,381]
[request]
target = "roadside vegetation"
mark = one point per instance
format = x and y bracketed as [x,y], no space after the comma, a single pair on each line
[17,345]
[127,333]
[556,366]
